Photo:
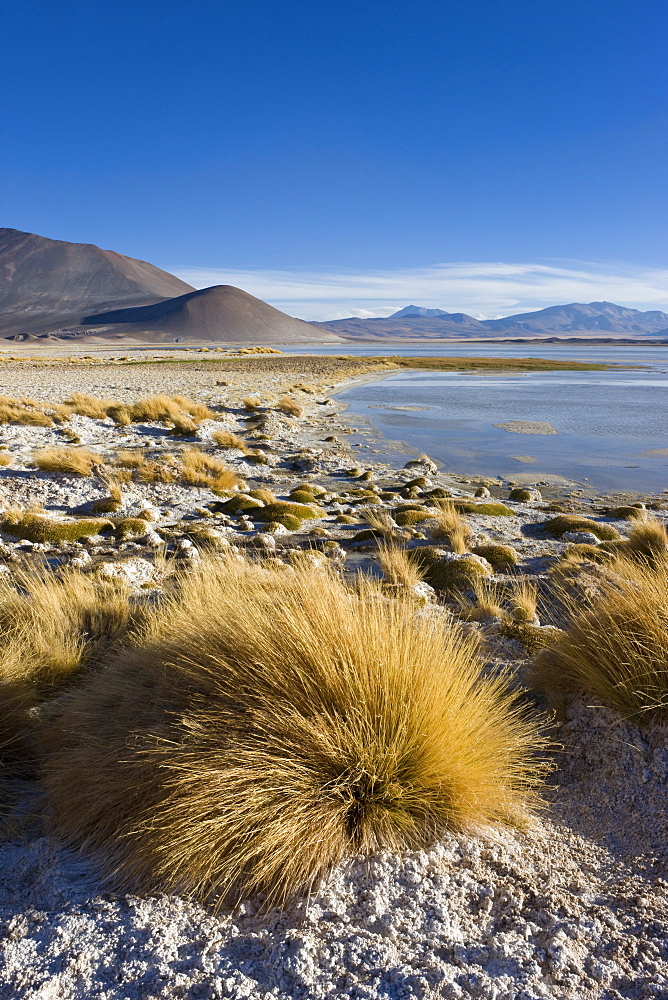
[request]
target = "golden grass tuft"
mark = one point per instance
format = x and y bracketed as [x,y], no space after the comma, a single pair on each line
[5,458]
[251,403]
[268,725]
[74,461]
[399,569]
[289,406]
[23,411]
[647,540]
[616,647]
[89,406]
[523,601]
[196,468]
[451,527]
[227,439]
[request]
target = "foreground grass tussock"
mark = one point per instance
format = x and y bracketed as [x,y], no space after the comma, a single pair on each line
[52,628]
[270,724]
[616,648]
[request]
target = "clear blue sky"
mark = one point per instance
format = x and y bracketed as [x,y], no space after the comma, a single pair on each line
[261,135]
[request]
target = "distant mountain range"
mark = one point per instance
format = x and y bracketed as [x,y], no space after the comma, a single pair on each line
[76,291]
[594,319]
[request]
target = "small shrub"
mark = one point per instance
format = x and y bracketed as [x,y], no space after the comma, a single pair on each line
[5,458]
[72,461]
[297,724]
[251,403]
[196,468]
[559,525]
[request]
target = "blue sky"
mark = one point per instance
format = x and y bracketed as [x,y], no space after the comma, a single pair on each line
[347,158]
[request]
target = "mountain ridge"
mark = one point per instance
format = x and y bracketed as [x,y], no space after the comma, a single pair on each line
[572,319]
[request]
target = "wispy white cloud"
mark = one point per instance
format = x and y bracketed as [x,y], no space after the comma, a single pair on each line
[483,290]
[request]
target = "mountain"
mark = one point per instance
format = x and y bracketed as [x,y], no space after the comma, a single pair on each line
[577,317]
[219,313]
[45,284]
[50,288]
[574,320]
[417,311]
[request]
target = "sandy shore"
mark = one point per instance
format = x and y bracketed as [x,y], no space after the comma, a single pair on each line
[575,906]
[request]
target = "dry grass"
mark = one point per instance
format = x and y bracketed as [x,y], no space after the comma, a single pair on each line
[5,458]
[251,403]
[75,461]
[52,628]
[296,724]
[289,406]
[89,406]
[451,527]
[487,602]
[523,601]
[22,411]
[398,567]
[616,647]
[648,540]
[130,459]
[227,439]
[196,468]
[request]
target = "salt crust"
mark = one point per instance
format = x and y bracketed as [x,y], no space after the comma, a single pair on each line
[574,907]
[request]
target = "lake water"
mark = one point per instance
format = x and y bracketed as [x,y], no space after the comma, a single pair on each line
[607,423]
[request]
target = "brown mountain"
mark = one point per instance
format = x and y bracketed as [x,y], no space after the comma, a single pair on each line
[219,313]
[53,289]
[47,284]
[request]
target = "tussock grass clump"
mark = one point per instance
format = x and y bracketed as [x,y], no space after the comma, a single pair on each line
[89,406]
[616,647]
[523,601]
[398,567]
[559,525]
[290,407]
[51,628]
[160,408]
[42,528]
[73,461]
[5,458]
[251,403]
[451,527]
[18,411]
[269,725]
[648,540]
[196,468]
[227,439]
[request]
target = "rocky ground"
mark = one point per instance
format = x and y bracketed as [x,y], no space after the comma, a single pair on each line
[573,907]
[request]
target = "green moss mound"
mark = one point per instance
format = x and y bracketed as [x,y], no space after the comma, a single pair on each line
[533,637]
[497,555]
[288,521]
[438,493]
[236,505]
[126,526]
[627,513]
[301,496]
[274,511]
[559,525]
[345,519]
[105,505]
[407,518]
[489,509]
[520,495]
[366,535]
[39,528]
[448,574]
